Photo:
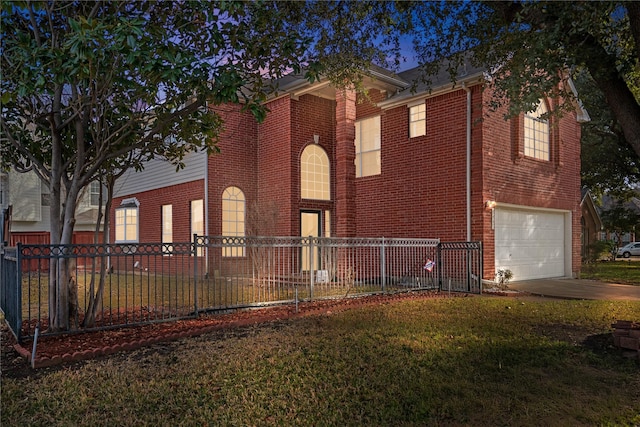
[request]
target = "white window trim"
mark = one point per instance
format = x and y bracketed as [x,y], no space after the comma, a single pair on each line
[125,207]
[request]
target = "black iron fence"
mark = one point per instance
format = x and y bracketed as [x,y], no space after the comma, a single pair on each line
[114,285]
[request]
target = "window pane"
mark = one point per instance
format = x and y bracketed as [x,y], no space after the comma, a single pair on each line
[126,225]
[233,219]
[368,147]
[197,221]
[370,134]
[417,120]
[314,174]
[371,163]
[536,133]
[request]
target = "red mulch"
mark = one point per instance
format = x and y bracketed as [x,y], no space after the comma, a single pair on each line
[56,350]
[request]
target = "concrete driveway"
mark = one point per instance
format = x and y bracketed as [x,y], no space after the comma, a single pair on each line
[577,289]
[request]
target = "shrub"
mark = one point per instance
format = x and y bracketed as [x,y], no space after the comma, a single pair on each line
[503,275]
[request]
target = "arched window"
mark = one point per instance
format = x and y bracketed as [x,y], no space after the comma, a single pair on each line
[233,219]
[314,174]
[536,133]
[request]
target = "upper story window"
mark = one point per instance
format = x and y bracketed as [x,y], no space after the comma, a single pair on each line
[536,133]
[95,193]
[314,174]
[368,147]
[417,120]
[233,219]
[127,221]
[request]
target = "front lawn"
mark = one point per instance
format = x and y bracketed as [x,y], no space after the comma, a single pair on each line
[625,272]
[440,361]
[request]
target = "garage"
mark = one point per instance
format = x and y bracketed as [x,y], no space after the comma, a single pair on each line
[531,243]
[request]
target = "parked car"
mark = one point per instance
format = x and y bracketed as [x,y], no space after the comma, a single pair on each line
[631,249]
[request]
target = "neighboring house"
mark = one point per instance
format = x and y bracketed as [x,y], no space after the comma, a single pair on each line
[425,164]
[29,199]
[591,222]
[633,204]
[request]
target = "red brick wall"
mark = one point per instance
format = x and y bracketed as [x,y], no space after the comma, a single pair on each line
[510,177]
[275,157]
[235,165]
[150,211]
[311,115]
[346,208]
[421,191]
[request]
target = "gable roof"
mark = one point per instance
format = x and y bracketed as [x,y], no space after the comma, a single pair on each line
[586,202]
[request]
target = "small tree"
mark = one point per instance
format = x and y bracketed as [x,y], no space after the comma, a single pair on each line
[88,86]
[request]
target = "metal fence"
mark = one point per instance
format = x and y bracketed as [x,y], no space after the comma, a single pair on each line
[113,285]
[11,289]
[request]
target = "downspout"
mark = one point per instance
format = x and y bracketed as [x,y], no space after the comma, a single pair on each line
[466,89]
[206,211]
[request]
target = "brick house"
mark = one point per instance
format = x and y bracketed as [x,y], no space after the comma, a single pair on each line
[402,163]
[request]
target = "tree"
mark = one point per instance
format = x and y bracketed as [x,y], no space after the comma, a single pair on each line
[608,163]
[531,48]
[619,218]
[89,87]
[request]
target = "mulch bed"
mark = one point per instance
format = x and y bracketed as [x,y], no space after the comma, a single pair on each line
[62,349]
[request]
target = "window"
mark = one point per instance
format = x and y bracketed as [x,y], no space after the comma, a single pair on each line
[536,133]
[314,174]
[417,120]
[197,221]
[127,221]
[233,219]
[368,147]
[95,193]
[167,228]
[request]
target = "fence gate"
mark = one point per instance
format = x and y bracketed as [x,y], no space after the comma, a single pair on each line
[460,267]
[10,288]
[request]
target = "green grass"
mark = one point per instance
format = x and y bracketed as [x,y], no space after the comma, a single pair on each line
[459,361]
[625,272]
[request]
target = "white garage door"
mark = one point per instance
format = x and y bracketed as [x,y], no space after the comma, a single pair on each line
[530,243]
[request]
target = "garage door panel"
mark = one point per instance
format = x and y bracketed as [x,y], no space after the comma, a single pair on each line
[529,243]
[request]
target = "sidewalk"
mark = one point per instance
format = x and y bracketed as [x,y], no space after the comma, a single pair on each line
[578,289]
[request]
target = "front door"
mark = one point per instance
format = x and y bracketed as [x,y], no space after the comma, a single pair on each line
[310,226]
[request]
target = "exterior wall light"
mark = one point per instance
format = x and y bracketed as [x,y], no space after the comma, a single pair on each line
[316,138]
[490,204]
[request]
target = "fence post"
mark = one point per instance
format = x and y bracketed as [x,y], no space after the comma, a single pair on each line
[195,275]
[383,266]
[439,262]
[18,330]
[481,266]
[469,265]
[311,266]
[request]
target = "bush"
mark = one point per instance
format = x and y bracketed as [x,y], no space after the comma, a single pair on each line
[503,275]
[602,249]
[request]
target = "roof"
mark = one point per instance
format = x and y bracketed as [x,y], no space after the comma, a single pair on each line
[401,87]
[586,202]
